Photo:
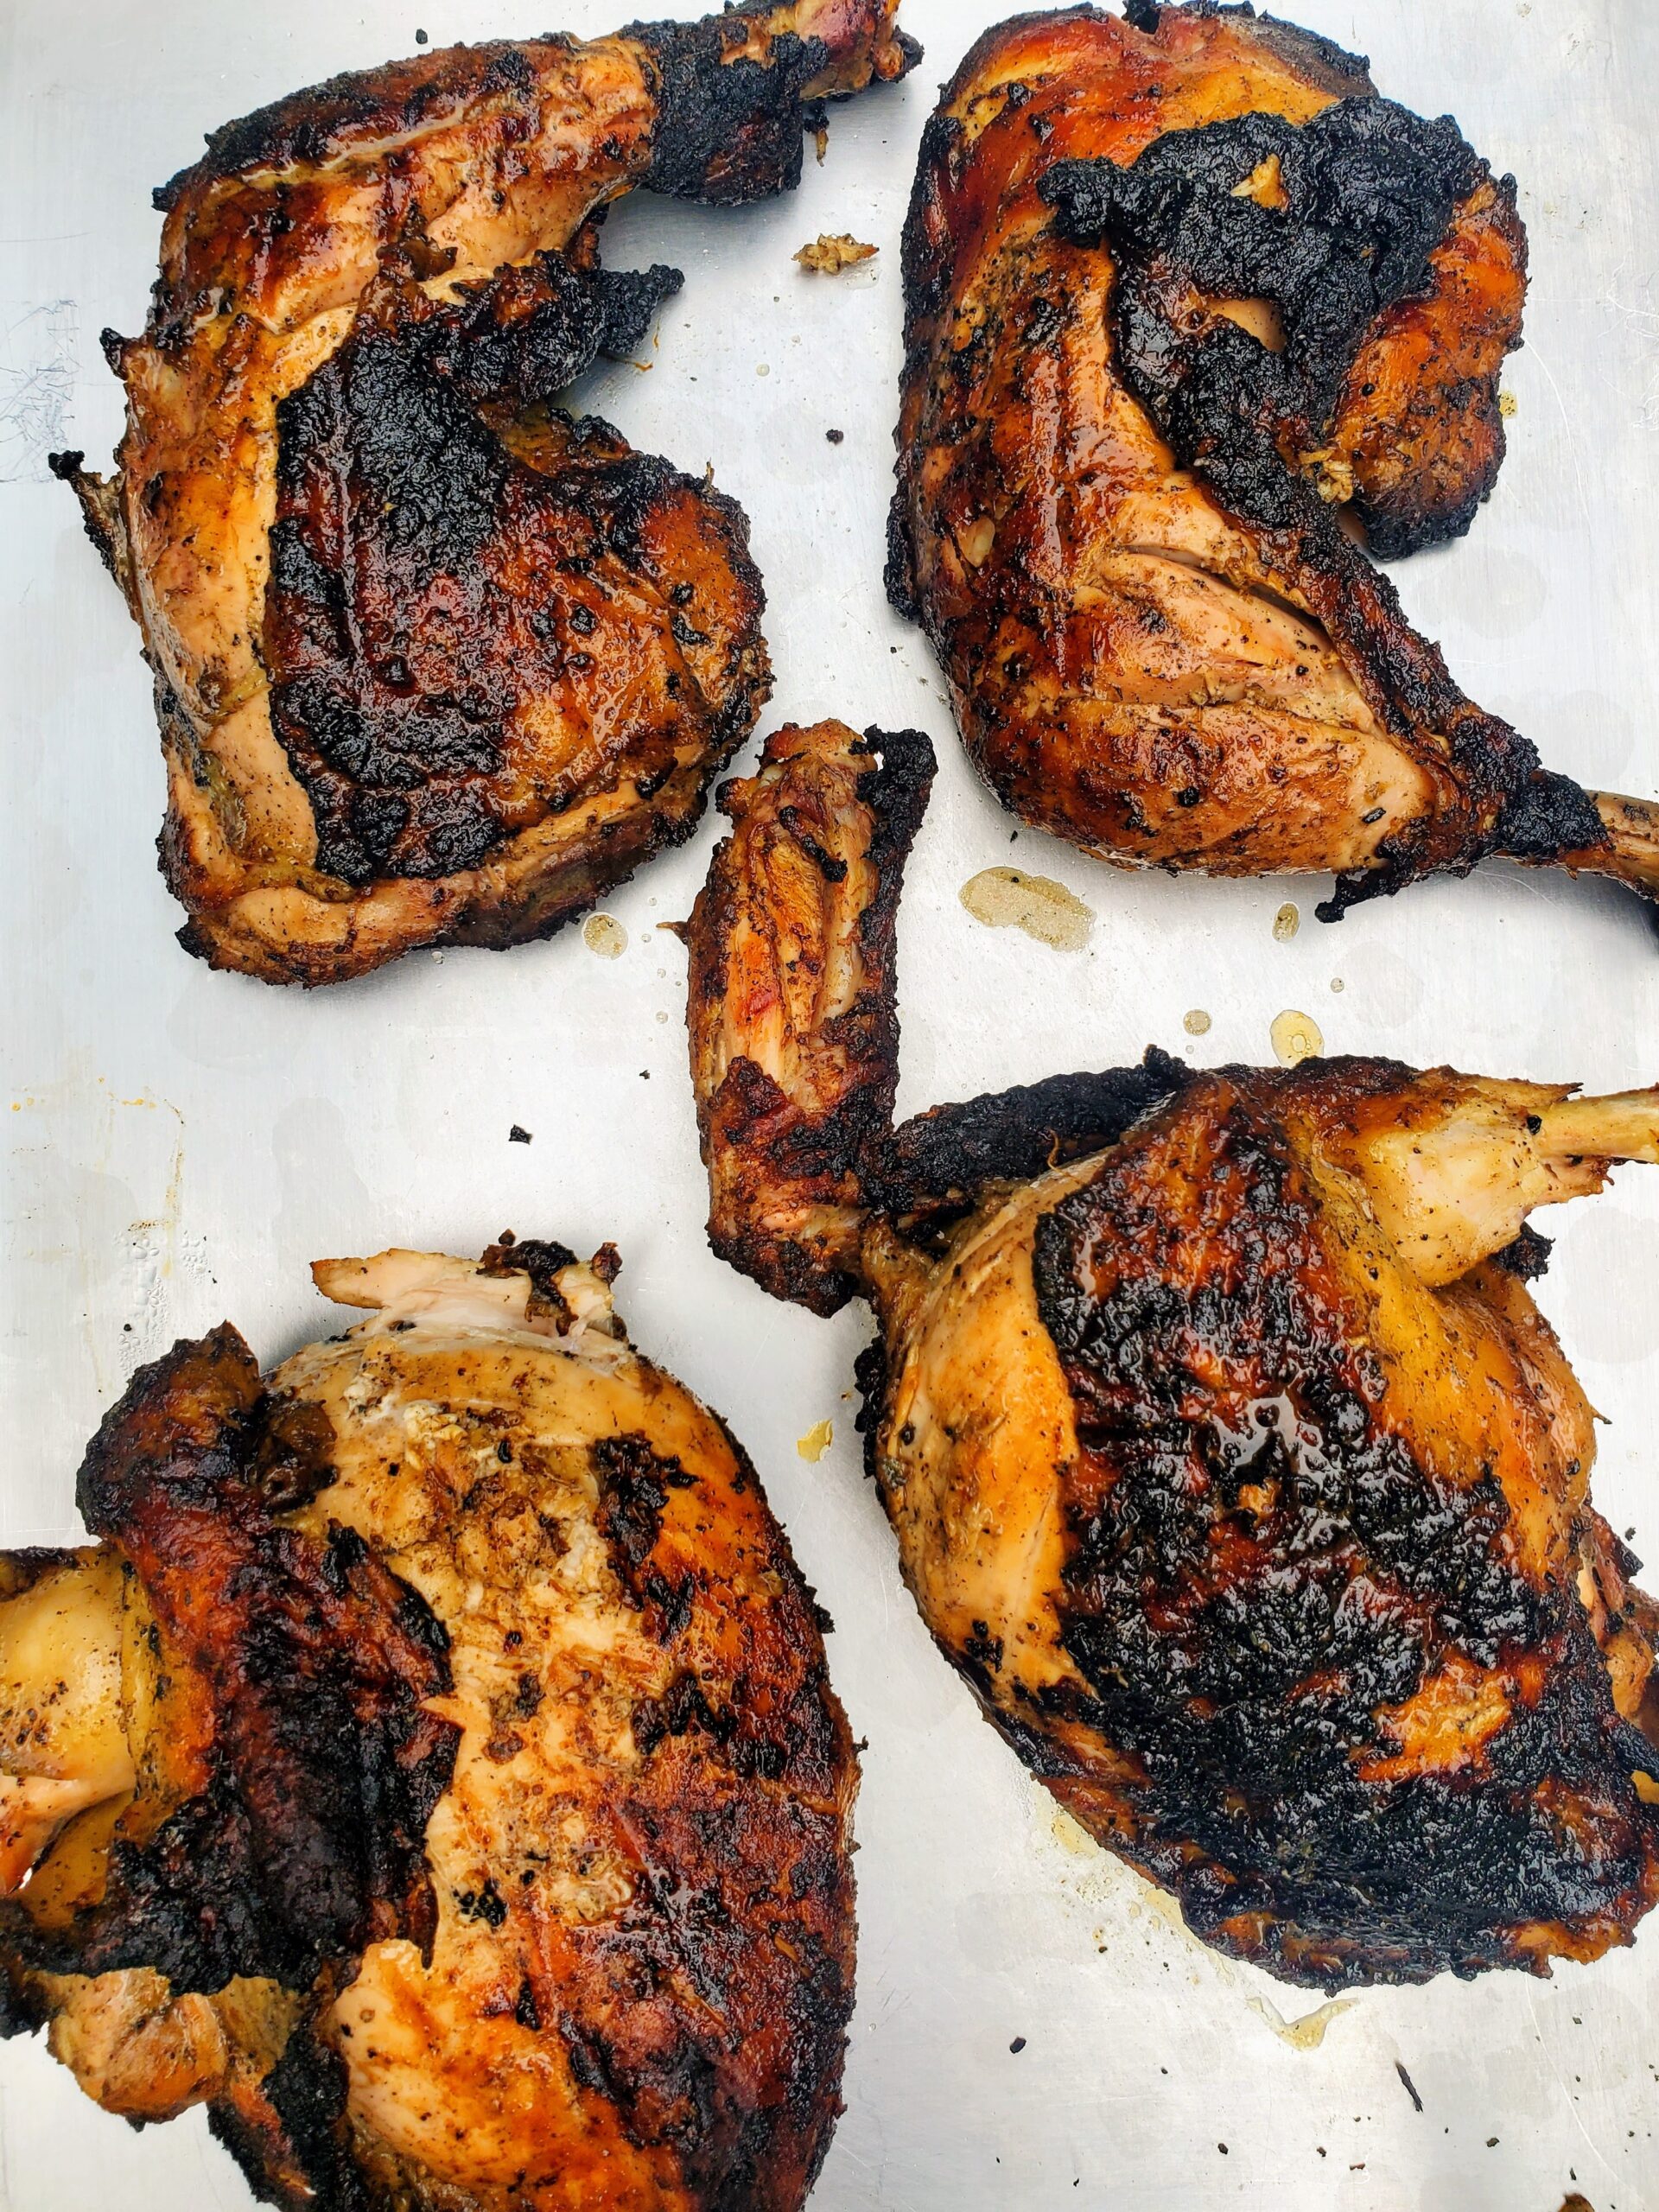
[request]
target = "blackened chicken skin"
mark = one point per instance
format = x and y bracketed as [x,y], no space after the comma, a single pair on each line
[1229,1456]
[433,1769]
[1184,300]
[433,663]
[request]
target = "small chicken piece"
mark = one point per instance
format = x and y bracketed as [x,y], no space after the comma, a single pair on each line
[461,1808]
[435,663]
[1229,1457]
[1189,311]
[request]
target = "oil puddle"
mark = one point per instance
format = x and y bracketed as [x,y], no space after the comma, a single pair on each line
[1006,898]
[605,934]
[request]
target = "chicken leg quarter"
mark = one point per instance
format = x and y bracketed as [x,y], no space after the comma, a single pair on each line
[433,663]
[1229,1457]
[1190,313]
[433,1769]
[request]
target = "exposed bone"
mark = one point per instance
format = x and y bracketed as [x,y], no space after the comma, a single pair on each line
[1454,1186]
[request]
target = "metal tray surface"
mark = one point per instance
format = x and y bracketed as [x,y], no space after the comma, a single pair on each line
[180,1145]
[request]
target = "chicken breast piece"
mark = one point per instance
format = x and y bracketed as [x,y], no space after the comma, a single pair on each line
[468,1822]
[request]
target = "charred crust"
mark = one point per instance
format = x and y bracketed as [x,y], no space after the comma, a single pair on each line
[899,576]
[294,1455]
[1528,1260]
[527,334]
[1548,815]
[728,131]
[307,128]
[544,1262]
[1222,1635]
[941,1161]
[396,727]
[634,1483]
[319,1765]
[1319,61]
[294,2149]
[1370,191]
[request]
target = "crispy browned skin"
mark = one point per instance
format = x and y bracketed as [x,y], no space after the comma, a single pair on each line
[1228,1455]
[435,1769]
[1125,442]
[794,1040]
[433,663]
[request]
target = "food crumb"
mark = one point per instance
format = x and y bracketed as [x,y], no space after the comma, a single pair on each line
[516,1135]
[1287,922]
[1337,983]
[1004,897]
[817,1441]
[605,934]
[828,254]
[1507,405]
[1296,1036]
[1198,1023]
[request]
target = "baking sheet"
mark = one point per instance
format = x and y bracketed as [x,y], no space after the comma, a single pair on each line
[180,1144]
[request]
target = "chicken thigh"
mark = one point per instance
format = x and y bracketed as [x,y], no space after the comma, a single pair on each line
[435,663]
[1191,312]
[432,1767]
[1229,1457]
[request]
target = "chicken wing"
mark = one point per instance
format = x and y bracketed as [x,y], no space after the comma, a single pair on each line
[433,1767]
[1229,1457]
[435,663]
[1189,311]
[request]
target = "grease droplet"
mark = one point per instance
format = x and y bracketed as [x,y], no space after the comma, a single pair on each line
[1004,898]
[817,1440]
[1296,1038]
[605,934]
[1309,2032]
[1285,923]
[1198,1023]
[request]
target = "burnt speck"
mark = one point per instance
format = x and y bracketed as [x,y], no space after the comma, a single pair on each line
[1409,2086]
[1017,2045]
[837,437]
[516,1135]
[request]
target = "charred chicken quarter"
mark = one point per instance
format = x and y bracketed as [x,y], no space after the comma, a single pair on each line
[1190,313]
[432,1767]
[435,663]
[1229,1456]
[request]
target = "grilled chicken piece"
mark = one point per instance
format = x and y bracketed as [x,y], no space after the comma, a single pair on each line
[433,663]
[1229,1457]
[1190,310]
[433,1767]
